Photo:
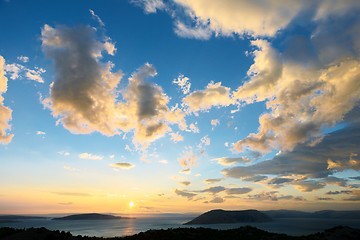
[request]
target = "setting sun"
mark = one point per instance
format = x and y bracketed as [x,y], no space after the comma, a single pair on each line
[131,204]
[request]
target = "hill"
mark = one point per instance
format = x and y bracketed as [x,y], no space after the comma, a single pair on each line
[88,216]
[221,217]
[331,214]
[244,233]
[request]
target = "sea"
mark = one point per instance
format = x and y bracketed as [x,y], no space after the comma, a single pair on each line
[126,227]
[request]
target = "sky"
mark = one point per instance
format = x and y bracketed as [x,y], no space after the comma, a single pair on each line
[179,106]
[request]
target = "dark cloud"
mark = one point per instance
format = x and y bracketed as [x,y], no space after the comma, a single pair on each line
[339,192]
[236,191]
[186,194]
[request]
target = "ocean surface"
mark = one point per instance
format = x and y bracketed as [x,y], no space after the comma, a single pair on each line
[125,227]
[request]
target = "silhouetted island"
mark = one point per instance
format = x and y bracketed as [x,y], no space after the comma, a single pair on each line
[220,216]
[243,233]
[89,216]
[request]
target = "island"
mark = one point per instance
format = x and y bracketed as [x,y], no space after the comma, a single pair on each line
[220,216]
[89,216]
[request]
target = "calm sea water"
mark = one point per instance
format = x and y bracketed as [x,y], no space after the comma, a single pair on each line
[124,227]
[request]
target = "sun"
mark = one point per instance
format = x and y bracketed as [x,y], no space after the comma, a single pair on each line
[131,204]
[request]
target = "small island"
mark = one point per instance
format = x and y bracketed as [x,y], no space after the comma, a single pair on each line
[220,216]
[89,216]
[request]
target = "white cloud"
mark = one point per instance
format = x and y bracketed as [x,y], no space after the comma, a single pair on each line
[97,18]
[23,59]
[64,153]
[150,6]
[194,128]
[214,123]
[183,82]
[164,161]
[260,18]
[18,71]
[214,95]
[90,156]
[199,31]
[5,112]
[122,165]
[40,133]
[176,137]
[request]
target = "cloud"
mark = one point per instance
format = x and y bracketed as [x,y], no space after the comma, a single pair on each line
[212,180]
[309,186]
[183,82]
[226,161]
[306,94]
[274,196]
[97,18]
[204,141]
[185,171]
[354,197]
[214,123]
[23,59]
[194,128]
[188,159]
[65,203]
[236,191]
[122,165]
[186,194]
[150,6]
[199,31]
[5,112]
[84,98]
[18,71]
[89,156]
[339,192]
[214,95]
[264,18]
[213,190]
[64,153]
[185,183]
[40,133]
[176,137]
[355,178]
[308,161]
[217,200]
[324,199]
[74,194]
[164,161]
[278,182]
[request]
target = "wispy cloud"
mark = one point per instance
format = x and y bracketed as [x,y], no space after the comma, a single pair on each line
[90,156]
[183,82]
[150,6]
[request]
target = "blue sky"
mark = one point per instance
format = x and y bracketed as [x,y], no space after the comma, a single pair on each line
[178,105]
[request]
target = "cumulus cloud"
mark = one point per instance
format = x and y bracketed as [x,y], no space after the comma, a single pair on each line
[18,71]
[214,95]
[89,156]
[264,18]
[150,6]
[226,161]
[183,82]
[279,182]
[122,165]
[84,95]
[5,112]
[186,194]
[304,160]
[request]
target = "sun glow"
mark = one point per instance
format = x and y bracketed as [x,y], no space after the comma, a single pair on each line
[131,204]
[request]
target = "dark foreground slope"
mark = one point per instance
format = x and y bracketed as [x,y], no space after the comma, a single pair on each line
[221,217]
[243,233]
[88,216]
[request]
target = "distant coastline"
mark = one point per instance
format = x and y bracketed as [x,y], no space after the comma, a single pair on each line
[90,216]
